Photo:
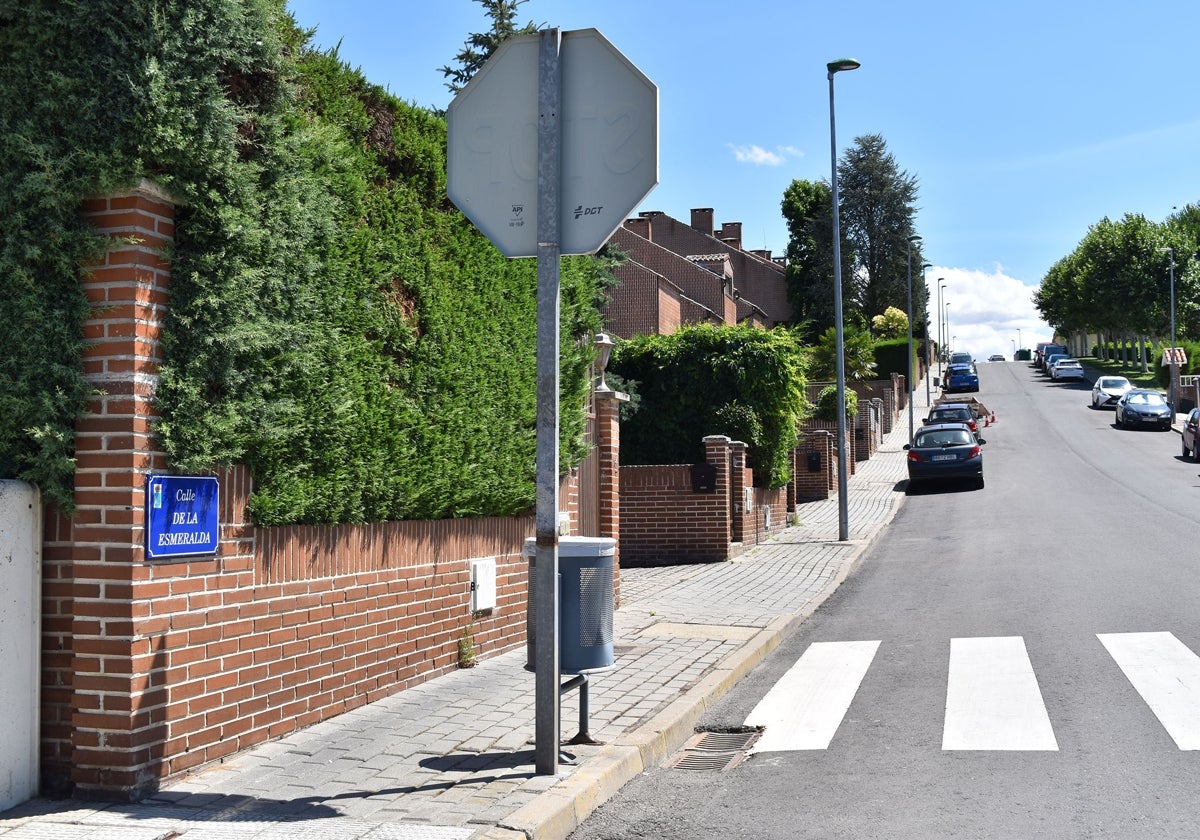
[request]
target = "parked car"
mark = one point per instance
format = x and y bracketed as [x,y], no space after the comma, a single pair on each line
[961,378]
[1189,434]
[954,413]
[1044,350]
[1109,389]
[944,451]
[995,357]
[1066,369]
[1143,407]
[1051,359]
[961,358]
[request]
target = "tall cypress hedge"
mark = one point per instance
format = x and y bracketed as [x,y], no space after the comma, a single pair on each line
[336,325]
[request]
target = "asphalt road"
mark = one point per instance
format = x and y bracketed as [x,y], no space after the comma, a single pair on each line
[1083,531]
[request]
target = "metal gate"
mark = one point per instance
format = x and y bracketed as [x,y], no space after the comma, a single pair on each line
[20,635]
[589,485]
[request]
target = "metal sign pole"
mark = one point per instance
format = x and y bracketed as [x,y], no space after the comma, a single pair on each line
[549,157]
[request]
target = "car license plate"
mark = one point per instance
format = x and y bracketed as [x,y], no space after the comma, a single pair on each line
[944,457]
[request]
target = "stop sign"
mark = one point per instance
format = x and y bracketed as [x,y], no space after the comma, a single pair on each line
[609,144]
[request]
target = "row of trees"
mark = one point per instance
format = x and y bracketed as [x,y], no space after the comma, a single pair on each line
[1117,281]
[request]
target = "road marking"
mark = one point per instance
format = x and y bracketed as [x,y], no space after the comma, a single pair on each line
[1167,675]
[805,708]
[992,698]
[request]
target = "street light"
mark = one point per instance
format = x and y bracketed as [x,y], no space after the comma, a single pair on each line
[941,341]
[925,284]
[835,67]
[909,383]
[1020,341]
[1174,370]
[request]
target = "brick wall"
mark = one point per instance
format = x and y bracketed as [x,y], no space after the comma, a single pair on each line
[663,521]
[154,667]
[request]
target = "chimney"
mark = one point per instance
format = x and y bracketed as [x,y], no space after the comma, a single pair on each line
[639,225]
[765,253]
[702,220]
[731,233]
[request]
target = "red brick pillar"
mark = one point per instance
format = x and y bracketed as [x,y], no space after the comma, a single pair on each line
[737,490]
[115,718]
[608,447]
[717,452]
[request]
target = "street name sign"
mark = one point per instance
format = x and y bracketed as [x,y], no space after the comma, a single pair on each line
[181,515]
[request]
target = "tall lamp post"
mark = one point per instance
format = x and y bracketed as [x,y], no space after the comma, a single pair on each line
[925,285]
[1171,395]
[833,68]
[909,383]
[941,324]
[1020,342]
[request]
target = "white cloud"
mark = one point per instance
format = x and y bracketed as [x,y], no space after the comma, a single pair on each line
[759,156]
[987,311]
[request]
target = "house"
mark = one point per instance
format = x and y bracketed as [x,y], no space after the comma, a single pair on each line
[681,274]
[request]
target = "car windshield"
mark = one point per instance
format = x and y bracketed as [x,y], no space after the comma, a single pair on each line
[951,414]
[1114,382]
[1147,399]
[943,437]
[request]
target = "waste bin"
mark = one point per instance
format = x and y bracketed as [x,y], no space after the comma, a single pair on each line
[585,604]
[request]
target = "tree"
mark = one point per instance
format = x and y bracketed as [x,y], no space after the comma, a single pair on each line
[891,324]
[859,355]
[877,210]
[479,47]
[807,207]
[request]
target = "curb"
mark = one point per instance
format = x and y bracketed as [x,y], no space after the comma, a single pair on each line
[553,815]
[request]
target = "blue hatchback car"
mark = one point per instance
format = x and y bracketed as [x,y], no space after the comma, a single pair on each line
[961,378]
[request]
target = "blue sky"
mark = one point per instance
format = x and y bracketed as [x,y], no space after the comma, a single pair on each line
[1024,121]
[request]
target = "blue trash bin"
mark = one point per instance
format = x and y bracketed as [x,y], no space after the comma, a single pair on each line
[585,604]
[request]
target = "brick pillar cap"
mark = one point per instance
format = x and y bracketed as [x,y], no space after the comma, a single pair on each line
[619,396]
[717,439]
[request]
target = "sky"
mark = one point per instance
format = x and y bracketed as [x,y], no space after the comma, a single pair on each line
[1024,121]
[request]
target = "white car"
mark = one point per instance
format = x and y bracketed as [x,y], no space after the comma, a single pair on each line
[1109,389]
[1066,369]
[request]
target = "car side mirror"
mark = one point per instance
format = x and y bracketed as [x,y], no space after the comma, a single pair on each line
[982,441]
[907,446]
[926,420]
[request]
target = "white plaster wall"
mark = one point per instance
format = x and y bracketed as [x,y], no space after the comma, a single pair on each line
[20,635]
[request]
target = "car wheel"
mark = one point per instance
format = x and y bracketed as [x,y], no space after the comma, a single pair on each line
[979,483]
[1185,454]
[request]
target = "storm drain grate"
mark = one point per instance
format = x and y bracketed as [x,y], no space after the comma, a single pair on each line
[715,750]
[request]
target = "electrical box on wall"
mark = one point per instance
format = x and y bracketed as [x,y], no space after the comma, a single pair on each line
[483,584]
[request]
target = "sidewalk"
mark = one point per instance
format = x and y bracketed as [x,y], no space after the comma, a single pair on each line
[453,759]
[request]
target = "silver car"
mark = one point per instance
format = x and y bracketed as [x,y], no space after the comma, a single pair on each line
[1109,389]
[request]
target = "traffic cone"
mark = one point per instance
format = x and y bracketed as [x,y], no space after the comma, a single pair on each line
[993,417]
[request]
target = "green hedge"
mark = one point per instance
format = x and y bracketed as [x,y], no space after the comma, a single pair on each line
[890,356]
[738,381]
[336,324]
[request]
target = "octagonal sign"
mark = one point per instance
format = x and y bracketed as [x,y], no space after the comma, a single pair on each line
[609,143]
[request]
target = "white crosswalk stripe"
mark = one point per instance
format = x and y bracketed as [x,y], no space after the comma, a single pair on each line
[1167,675]
[993,698]
[805,708]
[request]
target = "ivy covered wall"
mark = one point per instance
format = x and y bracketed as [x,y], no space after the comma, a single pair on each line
[336,324]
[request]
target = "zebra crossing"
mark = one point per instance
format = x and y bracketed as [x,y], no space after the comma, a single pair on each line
[993,699]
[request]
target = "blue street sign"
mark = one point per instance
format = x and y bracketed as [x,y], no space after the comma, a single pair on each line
[181,515]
